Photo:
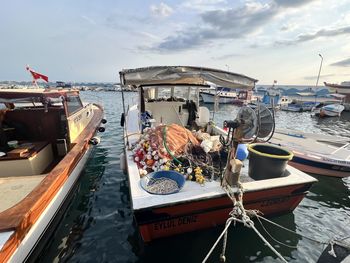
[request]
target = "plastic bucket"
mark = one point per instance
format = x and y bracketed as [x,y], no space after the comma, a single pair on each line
[267,161]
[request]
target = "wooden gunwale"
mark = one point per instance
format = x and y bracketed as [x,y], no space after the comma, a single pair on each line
[23,215]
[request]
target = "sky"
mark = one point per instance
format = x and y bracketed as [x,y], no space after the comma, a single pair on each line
[92,40]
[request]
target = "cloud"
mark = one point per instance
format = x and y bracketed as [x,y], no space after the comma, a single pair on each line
[222,57]
[342,63]
[88,19]
[203,5]
[320,33]
[321,76]
[162,10]
[292,3]
[226,23]
[220,24]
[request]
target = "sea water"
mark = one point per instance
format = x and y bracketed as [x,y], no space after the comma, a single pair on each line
[98,225]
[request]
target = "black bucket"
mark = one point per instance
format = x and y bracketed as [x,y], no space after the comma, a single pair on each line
[267,161]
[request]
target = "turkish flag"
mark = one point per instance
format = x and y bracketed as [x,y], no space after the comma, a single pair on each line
[37,75]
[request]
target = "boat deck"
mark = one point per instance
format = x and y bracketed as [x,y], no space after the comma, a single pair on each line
[13,189]
[326,145]
[193,191]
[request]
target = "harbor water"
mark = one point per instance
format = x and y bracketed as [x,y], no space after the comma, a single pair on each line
[98,224]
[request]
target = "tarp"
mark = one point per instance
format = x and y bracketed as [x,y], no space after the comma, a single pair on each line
[185,75]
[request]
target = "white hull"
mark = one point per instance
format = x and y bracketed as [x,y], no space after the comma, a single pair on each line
[332,110]
[38,229]
[340,90]
[331,113]
[209,98]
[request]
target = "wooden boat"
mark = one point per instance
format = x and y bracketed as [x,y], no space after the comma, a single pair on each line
[196,206]
[316,153]
[53,133]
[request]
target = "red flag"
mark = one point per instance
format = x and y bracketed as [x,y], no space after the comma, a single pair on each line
[37,75]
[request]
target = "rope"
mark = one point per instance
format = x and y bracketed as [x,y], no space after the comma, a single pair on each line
[238,214]
[274,239]
[291,231]
[228,223]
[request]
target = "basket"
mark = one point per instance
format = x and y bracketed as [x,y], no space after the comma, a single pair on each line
[173,175]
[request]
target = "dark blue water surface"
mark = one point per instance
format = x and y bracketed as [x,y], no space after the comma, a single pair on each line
[98,225]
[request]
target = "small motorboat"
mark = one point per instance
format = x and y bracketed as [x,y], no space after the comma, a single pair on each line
[316,153]
[175,133]
[46,139]
[299,106]
[331,110]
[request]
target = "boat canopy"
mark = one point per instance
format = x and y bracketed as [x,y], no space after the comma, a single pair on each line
[184,75]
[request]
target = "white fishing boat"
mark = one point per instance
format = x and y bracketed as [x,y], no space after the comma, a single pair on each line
[223,95]
[316,153]
[46,137]
[163,136]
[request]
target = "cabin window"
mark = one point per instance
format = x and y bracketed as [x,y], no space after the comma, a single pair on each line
[73,104]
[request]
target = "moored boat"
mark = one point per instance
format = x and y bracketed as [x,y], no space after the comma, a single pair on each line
[344,89]
[299,106]
[46,139]
[150,147]
[316,153]
[224,95]
[331,110]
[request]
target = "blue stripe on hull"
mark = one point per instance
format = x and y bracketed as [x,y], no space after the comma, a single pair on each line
[327,166]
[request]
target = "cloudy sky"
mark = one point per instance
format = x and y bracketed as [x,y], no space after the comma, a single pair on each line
[91,40]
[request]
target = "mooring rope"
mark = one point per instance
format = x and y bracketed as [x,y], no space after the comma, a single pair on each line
[238,214]
[291,231]
[274,239]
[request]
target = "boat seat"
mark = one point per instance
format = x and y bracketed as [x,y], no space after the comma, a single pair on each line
[21,162]
[14,189]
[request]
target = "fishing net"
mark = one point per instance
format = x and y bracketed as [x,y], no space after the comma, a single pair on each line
[174,137]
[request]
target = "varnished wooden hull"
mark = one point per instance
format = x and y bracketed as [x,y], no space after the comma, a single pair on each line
[31,217]
[179,218]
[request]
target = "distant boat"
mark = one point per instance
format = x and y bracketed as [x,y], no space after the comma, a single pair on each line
[331,110]
[260,89]
[272,99]
[225,95]
[343,88]
[299,106]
